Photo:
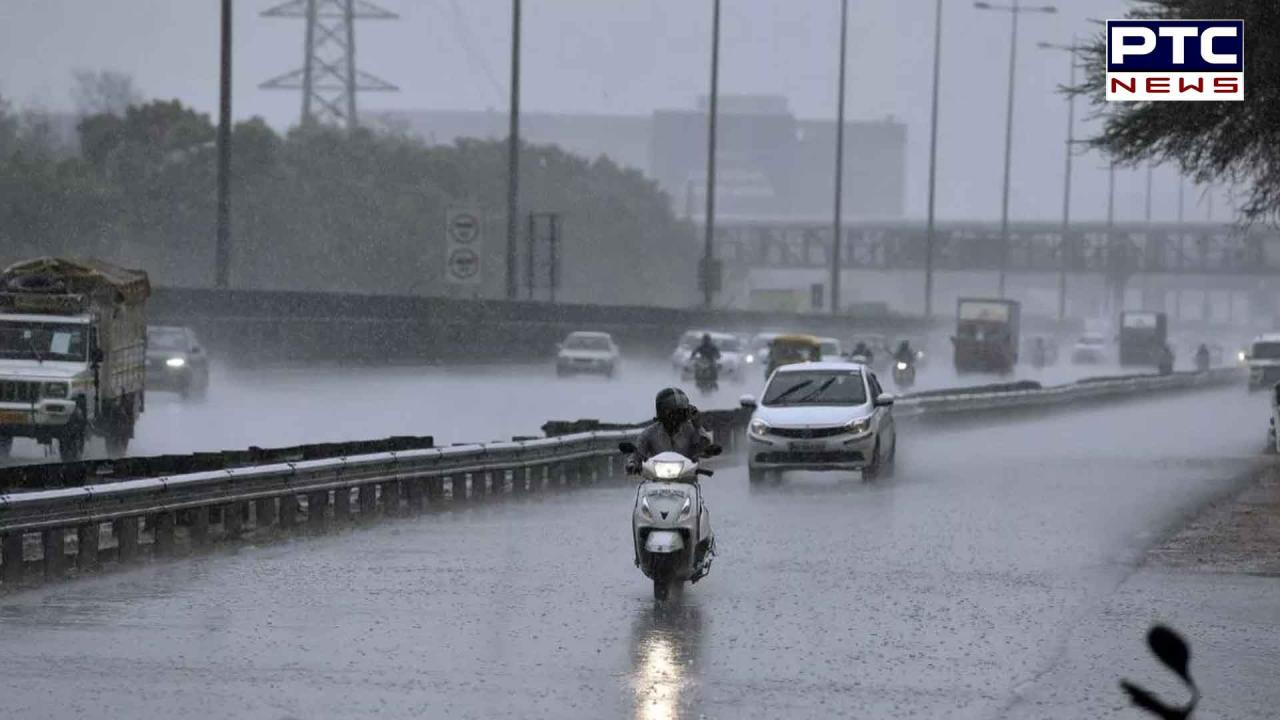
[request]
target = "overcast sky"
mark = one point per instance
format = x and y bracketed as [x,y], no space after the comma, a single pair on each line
[633,56]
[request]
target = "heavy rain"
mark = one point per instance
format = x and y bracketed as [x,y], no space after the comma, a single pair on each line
[494,359]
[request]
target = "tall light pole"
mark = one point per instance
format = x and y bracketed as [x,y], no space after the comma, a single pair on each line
[1182,188]
[222,252]
[513,154]
[1071,50]
[933,161]
[709,221]
[1014,11]
[836,227]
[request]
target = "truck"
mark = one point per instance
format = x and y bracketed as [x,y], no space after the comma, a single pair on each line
[73,345]
[986,338]
[1143,336]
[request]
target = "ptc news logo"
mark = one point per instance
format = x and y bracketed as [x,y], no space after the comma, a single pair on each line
[1186,60]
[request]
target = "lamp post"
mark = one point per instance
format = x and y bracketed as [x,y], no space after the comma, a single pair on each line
[1014,11]
[839,199]
[709,222]
[933,161]
[1066,179]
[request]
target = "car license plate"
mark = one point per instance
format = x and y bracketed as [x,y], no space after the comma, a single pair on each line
[12,417]
[808,446]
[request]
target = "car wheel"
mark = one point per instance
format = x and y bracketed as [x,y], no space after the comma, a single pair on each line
[890,463]
[872,470]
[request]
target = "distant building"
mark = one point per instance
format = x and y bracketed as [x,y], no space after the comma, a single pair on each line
[770,165]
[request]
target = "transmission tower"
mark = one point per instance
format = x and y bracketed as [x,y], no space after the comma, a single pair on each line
[328,78]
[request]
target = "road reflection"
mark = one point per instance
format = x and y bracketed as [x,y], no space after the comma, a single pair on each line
[665,645]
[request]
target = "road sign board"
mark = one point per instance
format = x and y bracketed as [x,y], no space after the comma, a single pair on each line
[463,252]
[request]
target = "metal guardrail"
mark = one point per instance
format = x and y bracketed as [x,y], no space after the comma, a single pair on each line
[146,514]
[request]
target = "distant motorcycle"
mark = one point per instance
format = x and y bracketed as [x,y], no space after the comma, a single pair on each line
[706,374]
[670,526]
[904,374]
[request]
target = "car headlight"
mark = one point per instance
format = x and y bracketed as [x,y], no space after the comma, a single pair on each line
[667,470]
[55,390]
[861,426]
[175,362]
[1242,355]
[688,506]
[902,365]
[758,427]
[749,359]
[644,507]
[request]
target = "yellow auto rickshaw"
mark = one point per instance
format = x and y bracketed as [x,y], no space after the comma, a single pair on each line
[789,349]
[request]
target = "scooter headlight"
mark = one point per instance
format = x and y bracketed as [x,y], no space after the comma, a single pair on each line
[667,470]
[902,365]
[749,359]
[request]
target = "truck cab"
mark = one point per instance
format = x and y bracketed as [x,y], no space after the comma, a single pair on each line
[1263,359]
[987,332]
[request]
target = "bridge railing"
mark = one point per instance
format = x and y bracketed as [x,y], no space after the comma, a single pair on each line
[43,532]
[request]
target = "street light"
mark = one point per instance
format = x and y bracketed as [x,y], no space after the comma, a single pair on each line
[1072,51]
[709,222]
[933,161]
[837,222]
[1014,11]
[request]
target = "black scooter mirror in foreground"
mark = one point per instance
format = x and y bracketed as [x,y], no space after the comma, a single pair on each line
[713,450]
[627,448]
[1173,652]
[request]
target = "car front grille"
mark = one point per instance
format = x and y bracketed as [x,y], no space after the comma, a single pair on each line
[809,432]
[816,457]
[19,391]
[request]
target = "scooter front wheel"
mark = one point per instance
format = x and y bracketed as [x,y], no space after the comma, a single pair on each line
[661,589]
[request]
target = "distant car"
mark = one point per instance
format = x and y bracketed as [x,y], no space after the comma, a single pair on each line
[821,416]
[176,362]
[758,348]
[831,349]
[729,345]
[587,352]
[1263,359]
[1090,349]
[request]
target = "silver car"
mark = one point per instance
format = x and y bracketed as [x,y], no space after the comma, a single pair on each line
[822,416]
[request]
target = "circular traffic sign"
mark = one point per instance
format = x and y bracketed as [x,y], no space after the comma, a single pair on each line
[463,263]
[464,228]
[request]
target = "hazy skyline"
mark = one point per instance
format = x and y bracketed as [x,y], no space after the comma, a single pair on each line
[633,58]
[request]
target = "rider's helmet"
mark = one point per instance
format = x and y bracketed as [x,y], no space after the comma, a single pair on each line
[706,339]
[672,406]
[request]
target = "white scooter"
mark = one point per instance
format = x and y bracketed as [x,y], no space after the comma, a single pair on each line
[670,526]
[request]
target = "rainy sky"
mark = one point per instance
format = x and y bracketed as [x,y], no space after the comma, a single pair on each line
[632,57]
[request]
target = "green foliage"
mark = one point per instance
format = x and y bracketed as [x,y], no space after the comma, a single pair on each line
[1211,141]
[325,209]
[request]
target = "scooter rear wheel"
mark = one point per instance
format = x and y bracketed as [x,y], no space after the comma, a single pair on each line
[661,589]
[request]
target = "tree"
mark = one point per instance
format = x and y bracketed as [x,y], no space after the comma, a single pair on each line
[104,92]
[1210,141]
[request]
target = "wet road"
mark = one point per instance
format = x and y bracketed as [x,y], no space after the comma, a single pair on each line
[280,406]
[945,592]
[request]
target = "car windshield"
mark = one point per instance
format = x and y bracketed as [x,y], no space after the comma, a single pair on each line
[167,340]
[587,342]
[43,341]
[816,387]
[1266,351]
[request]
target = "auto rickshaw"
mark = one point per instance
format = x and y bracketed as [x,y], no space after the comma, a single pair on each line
[789,349]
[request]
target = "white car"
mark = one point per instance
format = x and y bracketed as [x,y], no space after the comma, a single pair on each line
[821,416]
[587,352]
[1089,349]
[730,347]
[1263,359]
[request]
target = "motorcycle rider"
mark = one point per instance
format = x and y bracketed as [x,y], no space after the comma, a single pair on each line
[904,353]
[1202,357]
[675,430]
[862,351]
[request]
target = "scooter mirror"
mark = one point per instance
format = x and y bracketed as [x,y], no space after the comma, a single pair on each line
[747,401]
[713,450]
[627,448]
